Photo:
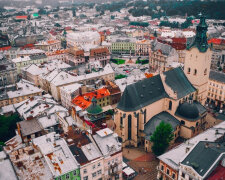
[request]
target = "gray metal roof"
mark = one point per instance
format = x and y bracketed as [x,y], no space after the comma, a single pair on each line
[39,56]
[29,127]
[151,125]
[217,76]
[202,158]
[141,94]
[147,91]
[179,83]
[165,48]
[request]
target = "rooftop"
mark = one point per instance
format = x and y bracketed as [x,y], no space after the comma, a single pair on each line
[24,88]
[203,156]
[30,164]
[174,156]
[58,156]
[70,88]
[217,76]
[6,170]
[84,100]
[147,91]
[107,142]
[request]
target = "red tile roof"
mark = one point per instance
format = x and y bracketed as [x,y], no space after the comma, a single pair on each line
[21,17]
[217,174]
[215,41]
[5,48]
[84,100]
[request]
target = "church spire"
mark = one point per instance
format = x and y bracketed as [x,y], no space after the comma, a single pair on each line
[201,41]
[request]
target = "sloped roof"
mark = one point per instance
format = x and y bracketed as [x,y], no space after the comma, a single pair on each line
[202,158]
[217,76]
[141,94]
[164,48]
[147,91]
[151,125]
[178,81]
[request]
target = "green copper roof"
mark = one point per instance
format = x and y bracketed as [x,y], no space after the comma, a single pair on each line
[35,14]
[201,41]
[94,108]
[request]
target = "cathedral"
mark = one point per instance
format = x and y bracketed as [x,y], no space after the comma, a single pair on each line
[176,97]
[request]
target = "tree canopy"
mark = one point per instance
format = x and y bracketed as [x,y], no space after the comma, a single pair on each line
[143,24]
[161,138]
[8,126]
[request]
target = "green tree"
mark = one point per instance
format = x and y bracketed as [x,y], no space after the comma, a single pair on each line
[8,126]
[161,138]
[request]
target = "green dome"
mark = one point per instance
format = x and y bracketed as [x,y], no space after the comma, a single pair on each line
[94,108]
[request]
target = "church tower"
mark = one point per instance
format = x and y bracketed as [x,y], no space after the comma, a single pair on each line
[198,60]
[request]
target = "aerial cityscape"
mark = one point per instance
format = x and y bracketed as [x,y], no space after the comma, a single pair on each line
[112,90]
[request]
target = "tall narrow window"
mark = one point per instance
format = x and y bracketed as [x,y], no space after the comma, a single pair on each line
[189,70]
[137,123]
[121,121]
[205,71]
[170,105]
[129,127]
[145,116]
[195,72]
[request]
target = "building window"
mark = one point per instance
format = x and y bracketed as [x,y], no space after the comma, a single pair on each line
[129,127]
[182,122]
[183,175]
[205,71]
[99,172]
[67,176]
[85,178]
[93,167]
[94,174]
[145,116]
[162,167]
[168,171]
[170,105]
[121,121]
[74,173]
[173,176]
[99,164]
[85,171]
[195,72]
[189,70]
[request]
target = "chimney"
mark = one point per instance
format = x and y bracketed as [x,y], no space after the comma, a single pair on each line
[187,149]
[79,144]
[80,91]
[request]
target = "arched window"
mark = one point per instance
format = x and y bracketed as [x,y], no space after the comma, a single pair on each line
[189,70]
[137,123]
[170,105]
[205,71]
[129,127]
[121,121]
[195,72]
[145,116]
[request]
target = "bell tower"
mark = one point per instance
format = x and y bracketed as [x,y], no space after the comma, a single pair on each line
[198,60]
